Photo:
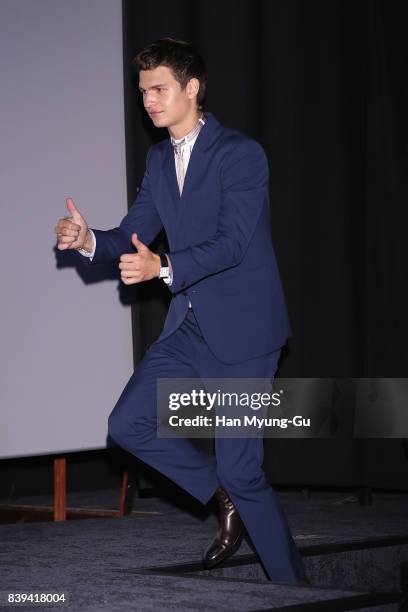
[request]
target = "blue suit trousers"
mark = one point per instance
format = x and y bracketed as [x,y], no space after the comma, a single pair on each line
[237,463]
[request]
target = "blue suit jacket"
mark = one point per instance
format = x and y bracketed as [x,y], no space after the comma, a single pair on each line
[220,241]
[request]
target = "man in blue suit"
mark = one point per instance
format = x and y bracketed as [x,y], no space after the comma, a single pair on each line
[208,187]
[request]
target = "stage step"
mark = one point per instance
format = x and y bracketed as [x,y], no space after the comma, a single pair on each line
[209,593]
[374,566]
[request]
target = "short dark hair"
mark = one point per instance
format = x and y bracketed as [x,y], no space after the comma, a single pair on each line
[182,59]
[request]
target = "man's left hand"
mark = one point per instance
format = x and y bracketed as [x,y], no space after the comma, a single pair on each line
[141,266]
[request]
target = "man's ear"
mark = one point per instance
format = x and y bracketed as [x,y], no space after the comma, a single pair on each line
[193,87]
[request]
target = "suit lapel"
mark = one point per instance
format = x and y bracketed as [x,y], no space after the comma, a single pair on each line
[204,140]
[194,168]
[169,170]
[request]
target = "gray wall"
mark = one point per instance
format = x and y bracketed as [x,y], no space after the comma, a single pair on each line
[66,347]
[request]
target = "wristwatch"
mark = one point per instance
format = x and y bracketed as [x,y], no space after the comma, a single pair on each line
[82,250]
[164,273]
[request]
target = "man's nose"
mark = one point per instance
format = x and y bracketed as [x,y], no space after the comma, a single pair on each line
[149,99]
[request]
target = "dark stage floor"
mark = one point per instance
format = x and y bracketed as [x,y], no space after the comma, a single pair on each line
[356,556]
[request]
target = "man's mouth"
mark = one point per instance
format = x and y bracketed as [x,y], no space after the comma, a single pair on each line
[155,113]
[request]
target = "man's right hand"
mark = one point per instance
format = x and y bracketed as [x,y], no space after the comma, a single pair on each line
[72,232]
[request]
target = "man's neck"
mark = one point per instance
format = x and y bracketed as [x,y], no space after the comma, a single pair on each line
[179,131]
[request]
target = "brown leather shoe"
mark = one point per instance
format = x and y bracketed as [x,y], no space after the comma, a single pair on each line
[229,535]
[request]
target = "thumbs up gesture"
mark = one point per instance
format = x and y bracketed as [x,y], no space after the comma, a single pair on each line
[141,266]
[72,231]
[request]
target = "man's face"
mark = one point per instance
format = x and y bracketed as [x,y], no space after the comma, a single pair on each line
[164,100]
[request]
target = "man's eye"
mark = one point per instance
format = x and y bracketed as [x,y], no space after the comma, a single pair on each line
[160,89]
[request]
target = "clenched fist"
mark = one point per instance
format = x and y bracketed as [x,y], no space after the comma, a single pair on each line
[72,232]
[141,266]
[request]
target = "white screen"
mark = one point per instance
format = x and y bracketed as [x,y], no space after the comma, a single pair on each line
[66,350]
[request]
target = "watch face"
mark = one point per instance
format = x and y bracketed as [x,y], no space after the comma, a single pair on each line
[163,272]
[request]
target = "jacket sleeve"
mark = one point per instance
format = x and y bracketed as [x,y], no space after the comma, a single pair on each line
[142,218]
[244,182]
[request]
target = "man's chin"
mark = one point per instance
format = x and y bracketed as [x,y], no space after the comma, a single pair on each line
[159,120]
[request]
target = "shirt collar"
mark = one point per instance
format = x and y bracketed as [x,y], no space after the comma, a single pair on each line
[192,135]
